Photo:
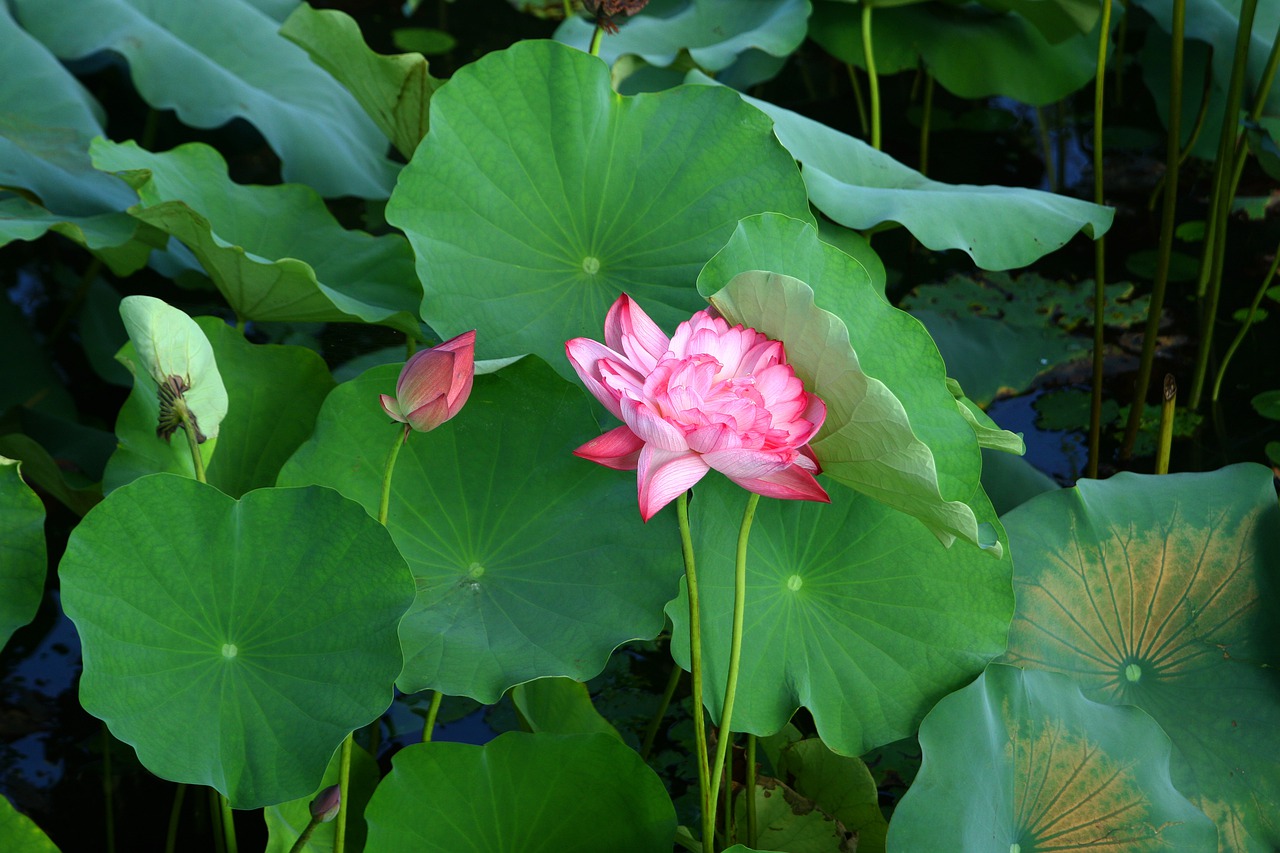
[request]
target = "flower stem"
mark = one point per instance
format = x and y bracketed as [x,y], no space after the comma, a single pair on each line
[873,82]
[228,824]
[384,502]
[433,710]
[344,760]
[751,790]
[301,844]
[735,644]
[344,782]
[175,815]
[651,732]
[695,675]
[595,40]
[196,459]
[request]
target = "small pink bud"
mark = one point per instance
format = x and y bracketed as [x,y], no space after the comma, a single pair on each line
[326,804]
[434,384]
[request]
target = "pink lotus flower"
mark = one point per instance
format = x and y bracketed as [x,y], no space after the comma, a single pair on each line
[709,397]
[434,384]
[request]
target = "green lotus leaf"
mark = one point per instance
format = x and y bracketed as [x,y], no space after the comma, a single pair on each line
[273,396]
[1018,60]
[1211,28]
[121,241]
[286,821]
[839,786]
[171,348]
[393,90]
[540,195]
[217,60]
[275,253]
[853,610]
[714,32]
[867,441]
[860,187]
[1159,592]
[19,833]
[39,466]
[266,625]
[521,792]
[529,561]
[1022,761]
[559,706]
[892,346]
[22,550]
[786,820]
[44,140]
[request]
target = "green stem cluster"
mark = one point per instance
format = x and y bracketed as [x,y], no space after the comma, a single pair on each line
[710,788]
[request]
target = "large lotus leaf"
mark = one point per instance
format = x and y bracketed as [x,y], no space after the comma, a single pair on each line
[853,611]
[520,792]
[234,643]
[891,345]
[1213,23]
[19,833]
[838,785]
[39,466]
[867,441]
[529,561]
[44,140]
[1022,761]
[275,253]
[1018,61]
[22,550]
[714,32]
[1056,20]
[559,706]
[273,395]
[215,60]
[393,90]
[171,348]
[1160,592]
[860,187]
[121,241]
[540,195]
[286,821]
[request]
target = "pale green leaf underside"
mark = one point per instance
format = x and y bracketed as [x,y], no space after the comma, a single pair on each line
[859,187]
[866,442]
[216,60]
[274,252]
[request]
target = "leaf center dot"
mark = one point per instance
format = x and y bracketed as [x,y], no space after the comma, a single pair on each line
[475,570]
[1133,672]
[590,265]
[795,582]
[229,650]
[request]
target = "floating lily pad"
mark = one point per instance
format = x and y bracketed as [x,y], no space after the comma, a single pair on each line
[529,561]
[860,187]
[267,625]
[22,551]
[540,195]
[217,60]
[867,441]
[1158,592]
[521,792]
[1022,761]
[275,253]
[853,610]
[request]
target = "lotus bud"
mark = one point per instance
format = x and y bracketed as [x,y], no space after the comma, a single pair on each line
[434,384]
[324,807]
